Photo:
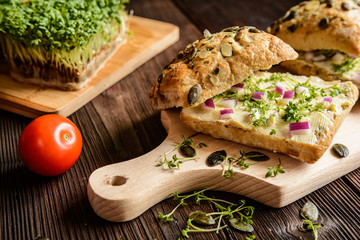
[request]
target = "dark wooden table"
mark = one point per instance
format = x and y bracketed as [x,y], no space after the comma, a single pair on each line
[120,124]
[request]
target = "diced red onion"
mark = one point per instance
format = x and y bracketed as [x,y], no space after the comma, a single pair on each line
[254,72]
[288,95]
[257,95]
[226,113]
[328,99]
[237,87]
[280,88]
[356,78]
[352,56]
[319,58]
[229,103]
[301,89]
[299,128]
[208,104]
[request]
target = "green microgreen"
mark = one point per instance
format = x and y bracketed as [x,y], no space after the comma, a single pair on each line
[65,34]
[313,227]
[56,23]
[225,210]
[274,171]
[175,161]
[252,237]
[293,112]
[228,170]
[273,132]
[348,65]
[335,90]
[226,94]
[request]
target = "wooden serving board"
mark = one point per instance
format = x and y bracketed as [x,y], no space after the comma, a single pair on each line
[150,38]
[122,191]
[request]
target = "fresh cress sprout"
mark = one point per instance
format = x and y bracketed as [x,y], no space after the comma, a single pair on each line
[65,34]
[175,161]
[274,171]
[226,210]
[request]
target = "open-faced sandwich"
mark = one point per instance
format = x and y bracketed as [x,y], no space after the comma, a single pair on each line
[217,82]
[57,43]
[326,34]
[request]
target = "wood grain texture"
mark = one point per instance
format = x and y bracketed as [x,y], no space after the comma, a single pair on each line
[149,38]
[120,192]
[119,125]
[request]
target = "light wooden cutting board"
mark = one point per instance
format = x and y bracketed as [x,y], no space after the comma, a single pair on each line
[149,38]
[122,191]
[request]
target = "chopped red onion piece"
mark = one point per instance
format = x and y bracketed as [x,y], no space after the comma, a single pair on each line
[328,99]
[237,87]
[352,56]
[208,104]
[229,102]
[288,95]
[226,113]
[299,128]
[356,78]
[279,88]
[257,95]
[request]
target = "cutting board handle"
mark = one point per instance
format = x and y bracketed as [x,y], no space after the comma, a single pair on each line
[122,191]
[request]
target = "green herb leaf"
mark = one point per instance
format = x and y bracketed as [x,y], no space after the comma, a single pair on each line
[226,210]
[274,171]
[313,227]
[175,162]
[346,66]
[252,237]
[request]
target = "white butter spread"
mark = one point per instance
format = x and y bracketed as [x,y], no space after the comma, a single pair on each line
[273,115]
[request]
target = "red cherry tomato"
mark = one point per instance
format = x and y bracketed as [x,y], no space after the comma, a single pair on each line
[50,145]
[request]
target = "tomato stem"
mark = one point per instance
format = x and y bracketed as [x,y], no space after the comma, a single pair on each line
[67,137]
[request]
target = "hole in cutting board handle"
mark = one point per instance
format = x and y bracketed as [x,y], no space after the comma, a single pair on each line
[117,180]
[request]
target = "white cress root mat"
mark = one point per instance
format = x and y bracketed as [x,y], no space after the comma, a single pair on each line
[122,191]
[149,38]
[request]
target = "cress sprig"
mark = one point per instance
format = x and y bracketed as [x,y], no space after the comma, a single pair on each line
[313,227]
[175,161]
[231,161]
[274,171]
[225,210]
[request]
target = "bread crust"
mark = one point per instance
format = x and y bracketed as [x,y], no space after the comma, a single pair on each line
[306,152]
[313,25]
[208,65]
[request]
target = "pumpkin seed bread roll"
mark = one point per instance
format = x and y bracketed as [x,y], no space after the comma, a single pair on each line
[326,35]
[214,63]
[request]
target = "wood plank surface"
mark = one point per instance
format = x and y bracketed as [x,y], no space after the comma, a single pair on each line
[119,125]
[148,39]
[122,191]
